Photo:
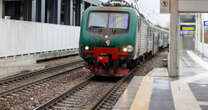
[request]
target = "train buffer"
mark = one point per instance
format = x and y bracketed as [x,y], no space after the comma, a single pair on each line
[157,91]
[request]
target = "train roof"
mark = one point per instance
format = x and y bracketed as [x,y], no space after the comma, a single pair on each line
[109,7]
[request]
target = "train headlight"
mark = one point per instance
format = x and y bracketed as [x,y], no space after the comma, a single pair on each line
[130,48]
[125,49]
[87,47]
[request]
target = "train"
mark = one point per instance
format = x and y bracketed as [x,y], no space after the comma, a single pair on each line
[115,37]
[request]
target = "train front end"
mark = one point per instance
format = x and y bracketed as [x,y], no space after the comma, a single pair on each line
[107,40]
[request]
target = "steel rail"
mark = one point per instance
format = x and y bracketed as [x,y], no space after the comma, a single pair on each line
[63,95]
[21,77]
[78,87]
[106,100]
[7,92]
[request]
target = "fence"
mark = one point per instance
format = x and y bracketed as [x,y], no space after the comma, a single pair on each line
[21,37]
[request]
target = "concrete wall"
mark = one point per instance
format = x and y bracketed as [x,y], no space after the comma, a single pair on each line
[1,2]
[21,37]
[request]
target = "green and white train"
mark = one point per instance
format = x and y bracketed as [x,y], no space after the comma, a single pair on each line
[116,37]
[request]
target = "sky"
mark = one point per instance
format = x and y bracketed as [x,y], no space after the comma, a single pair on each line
[151,10]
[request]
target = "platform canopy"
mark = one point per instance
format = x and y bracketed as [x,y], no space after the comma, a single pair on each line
[193,6]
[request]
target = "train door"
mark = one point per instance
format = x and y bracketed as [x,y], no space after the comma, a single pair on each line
[156,42]
[165,40]
[138,39]
[160,39]
[150,40]
[143,32]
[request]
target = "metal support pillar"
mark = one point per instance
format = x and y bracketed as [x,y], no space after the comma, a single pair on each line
[198,37]
[55,11]
[71,12]
[196,32]
[27,4]
[173,64]
[43,11]
[1,9]
[68,12]
[59,12]
[40,10]
[203,31]
[82,10]
[34,2]
[78,12]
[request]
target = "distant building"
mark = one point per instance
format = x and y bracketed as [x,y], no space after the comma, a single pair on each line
[67,12]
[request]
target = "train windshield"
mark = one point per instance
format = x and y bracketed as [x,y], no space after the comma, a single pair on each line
[108,20]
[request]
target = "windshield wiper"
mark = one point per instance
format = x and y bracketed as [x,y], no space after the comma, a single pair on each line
[96,27]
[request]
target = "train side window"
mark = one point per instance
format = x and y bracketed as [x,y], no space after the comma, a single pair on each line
[139,24]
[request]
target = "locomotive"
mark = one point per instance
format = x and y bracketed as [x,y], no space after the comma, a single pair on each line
[115,37]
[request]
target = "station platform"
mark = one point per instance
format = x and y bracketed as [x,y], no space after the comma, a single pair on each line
[157,91]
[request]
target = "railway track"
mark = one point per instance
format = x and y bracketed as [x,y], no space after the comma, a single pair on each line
[88,94]
[27,90]
[15,82]
[33,94]
[110,98]
[18,78]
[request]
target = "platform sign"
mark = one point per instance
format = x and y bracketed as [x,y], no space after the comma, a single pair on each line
[205,23]
[164,6]
[187,28]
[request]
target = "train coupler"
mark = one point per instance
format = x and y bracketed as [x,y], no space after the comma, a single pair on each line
[101,71]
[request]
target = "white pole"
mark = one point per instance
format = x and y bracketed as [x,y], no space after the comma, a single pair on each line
[1,8]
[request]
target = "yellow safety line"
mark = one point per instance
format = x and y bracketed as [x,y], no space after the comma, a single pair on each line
[161,77]
[142,99]
[183,97]
[203,103]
